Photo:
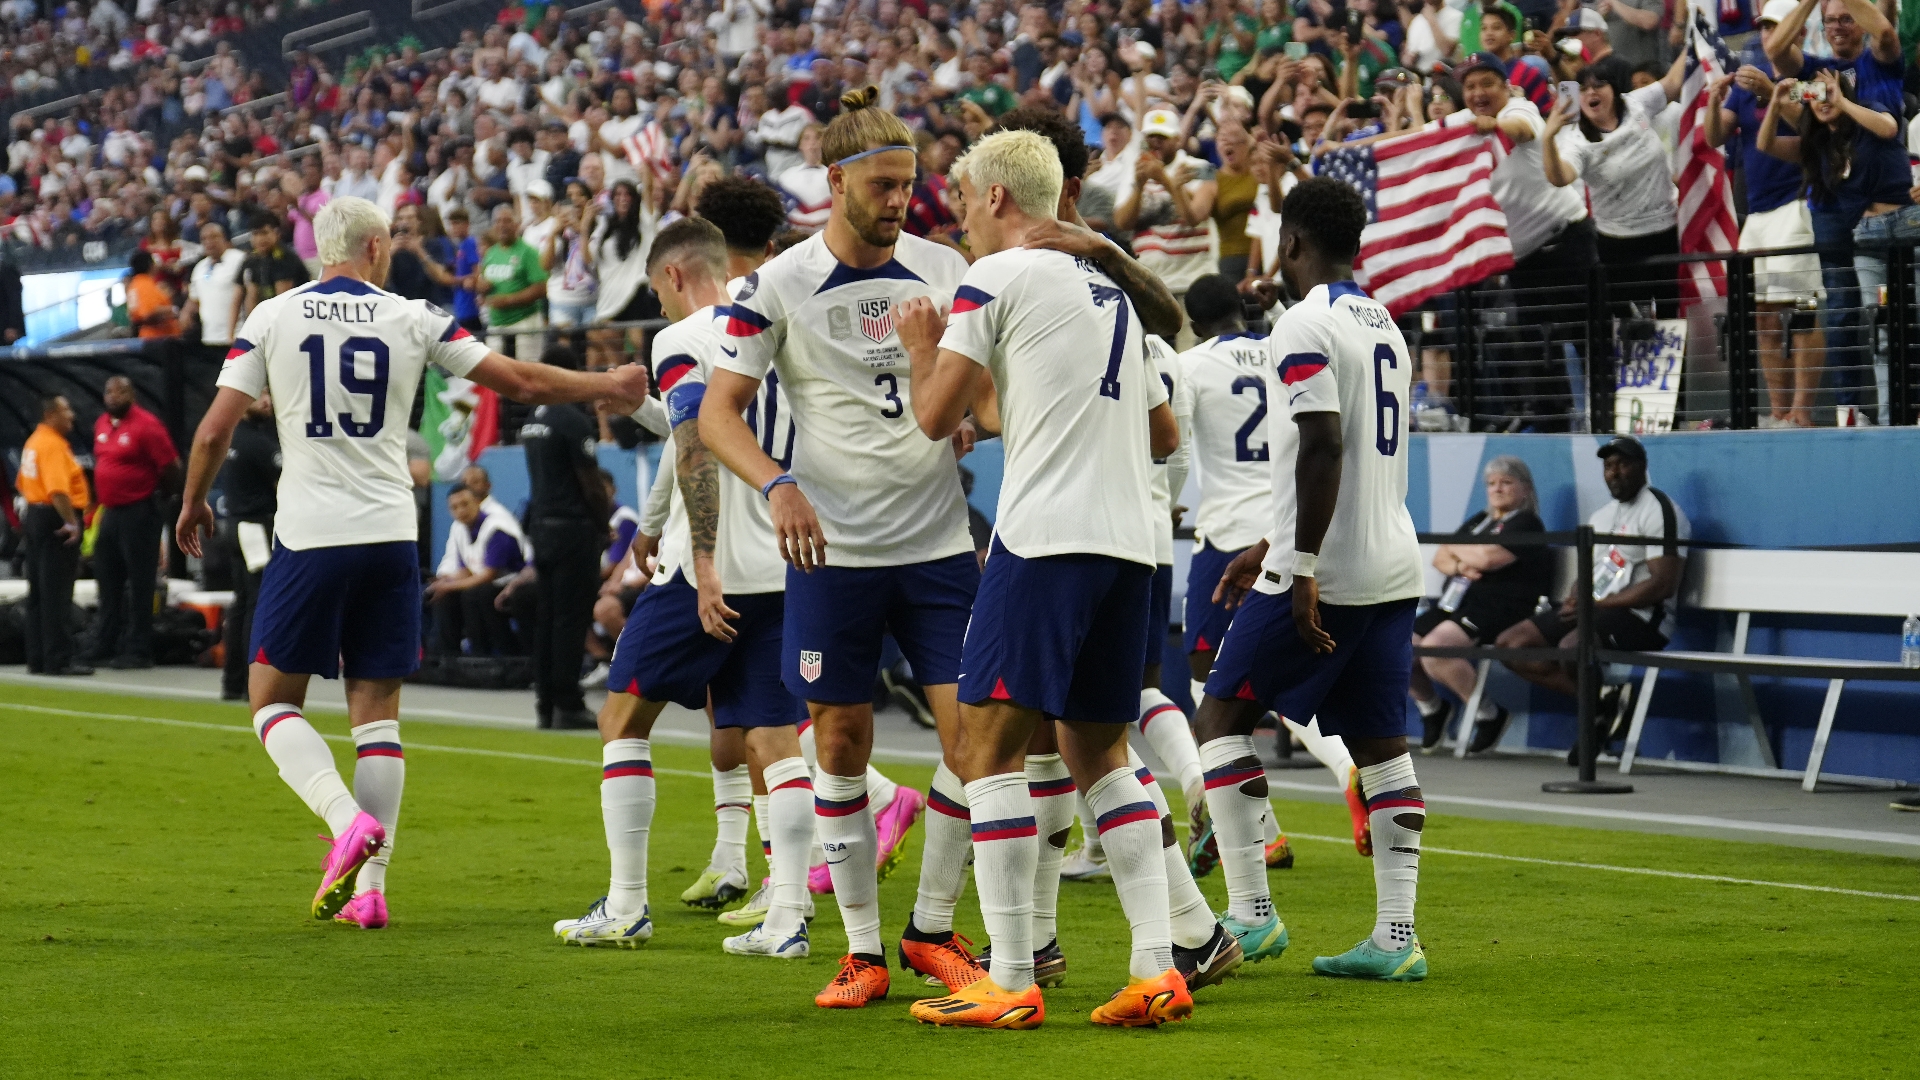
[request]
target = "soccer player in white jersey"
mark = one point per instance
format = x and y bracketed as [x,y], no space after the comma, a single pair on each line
[709,626]
[1059,629]
[343,359]
[1327,628]
[869,515]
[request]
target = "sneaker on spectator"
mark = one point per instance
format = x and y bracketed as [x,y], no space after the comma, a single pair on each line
[1910,803]
[595,679]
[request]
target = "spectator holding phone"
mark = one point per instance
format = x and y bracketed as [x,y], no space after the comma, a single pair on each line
[1857,173]
[1615,149]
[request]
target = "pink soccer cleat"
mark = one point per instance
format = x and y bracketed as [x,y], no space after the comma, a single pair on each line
[819,879]
[892,824]
[351,850]
[368,911]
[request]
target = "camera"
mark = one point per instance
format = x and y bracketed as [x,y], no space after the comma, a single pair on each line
[1362,110]
[1811,92]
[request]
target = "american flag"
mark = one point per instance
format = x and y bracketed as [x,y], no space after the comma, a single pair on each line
[1432,224]
[1706,188]
[650,148]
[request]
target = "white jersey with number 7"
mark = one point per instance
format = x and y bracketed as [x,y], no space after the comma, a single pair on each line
[344,360]
[1339,351]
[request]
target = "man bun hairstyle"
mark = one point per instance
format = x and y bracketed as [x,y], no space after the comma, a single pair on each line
[862,127]
[1329,213]
[746,211]
[695,241]
[1067,139]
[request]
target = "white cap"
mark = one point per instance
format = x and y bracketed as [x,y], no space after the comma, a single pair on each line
[539,189]
[1589,19]
[1144,48]
[194,172]
[1777,10]
[1161,122]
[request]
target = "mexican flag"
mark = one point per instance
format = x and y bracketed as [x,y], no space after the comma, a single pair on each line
[459,419]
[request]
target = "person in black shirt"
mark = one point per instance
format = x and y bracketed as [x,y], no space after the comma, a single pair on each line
[273,268]
[563,161]
[248,497]
[567,514]
[1489,588]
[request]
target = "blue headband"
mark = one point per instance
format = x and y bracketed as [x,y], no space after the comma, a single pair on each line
[869,153]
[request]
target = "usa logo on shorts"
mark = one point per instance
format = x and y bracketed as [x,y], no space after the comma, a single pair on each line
[876,318]
[810,663]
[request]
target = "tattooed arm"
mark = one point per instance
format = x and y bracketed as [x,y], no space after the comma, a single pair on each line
[699,477]
[1159,312]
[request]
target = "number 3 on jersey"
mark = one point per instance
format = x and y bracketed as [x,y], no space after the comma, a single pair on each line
[318,424]
[889,385]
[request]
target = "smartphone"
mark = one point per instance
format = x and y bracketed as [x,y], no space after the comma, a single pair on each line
[1296,50]
[1362,110]
[1569,90]
[1356,24]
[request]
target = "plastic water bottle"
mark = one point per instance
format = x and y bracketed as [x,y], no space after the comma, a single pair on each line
[1910,642]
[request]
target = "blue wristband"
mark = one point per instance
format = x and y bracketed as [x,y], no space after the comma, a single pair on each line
[784,478]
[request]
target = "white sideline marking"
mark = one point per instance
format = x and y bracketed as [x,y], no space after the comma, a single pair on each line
[476,751]
[1696,820]
[199,725]
[1348,840]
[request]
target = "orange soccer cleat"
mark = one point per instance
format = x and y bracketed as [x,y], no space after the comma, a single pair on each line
[1357,809]
[1280,854]
[946,960]
[1162,999]
[981,1004]
[857,983]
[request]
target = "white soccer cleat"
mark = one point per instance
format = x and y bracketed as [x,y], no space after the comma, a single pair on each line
[756,908]
[598,927]
[1080,866]
[759,941]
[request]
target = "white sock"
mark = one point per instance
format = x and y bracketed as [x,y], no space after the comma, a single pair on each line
[790,815]
[1188,917]
[1488,709]
[732,802]
[943,862]
[1237,797]
[845,823]
[1052,790]
[1089,835]
[1165,727]
[1129,826]
[1269,825]
[806,747]
[306,764]
[1430,706]
[626,805]
[880,790]
[1004,853]
[1397,812]
[379,776]
[1198,688]
[764,830]
[1328,750]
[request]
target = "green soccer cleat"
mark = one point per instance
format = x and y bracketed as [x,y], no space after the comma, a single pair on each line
[1258,940]
[1369,961]
[715,889]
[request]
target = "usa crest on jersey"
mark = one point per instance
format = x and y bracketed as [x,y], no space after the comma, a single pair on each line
[876,319]
[809,665]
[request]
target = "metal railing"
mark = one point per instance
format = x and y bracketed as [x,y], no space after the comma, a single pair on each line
[1788,344]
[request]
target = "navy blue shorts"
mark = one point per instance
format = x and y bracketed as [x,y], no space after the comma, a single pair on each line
[838,615]
[665,655]
[1159,613]
[1359,691]
[1206,621]
[1064,634]
[356,606]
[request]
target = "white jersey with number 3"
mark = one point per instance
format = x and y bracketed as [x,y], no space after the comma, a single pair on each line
[343,360]
[1338,351]
[1227,378]
[886,495]
[1064,348]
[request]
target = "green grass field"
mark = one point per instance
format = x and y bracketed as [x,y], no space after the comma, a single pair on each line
[155,881]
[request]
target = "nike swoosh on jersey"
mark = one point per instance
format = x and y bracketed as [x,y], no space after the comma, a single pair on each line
[730,352]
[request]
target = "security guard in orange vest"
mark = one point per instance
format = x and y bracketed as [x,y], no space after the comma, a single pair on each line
[55,489]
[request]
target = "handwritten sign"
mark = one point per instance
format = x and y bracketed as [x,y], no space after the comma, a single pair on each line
[1647,369]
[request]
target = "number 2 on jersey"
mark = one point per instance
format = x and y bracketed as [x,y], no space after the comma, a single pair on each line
[1386,407]
[1242,449]
[318,425]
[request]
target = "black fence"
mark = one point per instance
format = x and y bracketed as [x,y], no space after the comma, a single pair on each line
[171,377]
[1791,342]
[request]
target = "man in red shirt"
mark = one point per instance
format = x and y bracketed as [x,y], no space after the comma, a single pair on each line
[133,460]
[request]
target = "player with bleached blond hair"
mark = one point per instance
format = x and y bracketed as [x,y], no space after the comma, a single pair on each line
[343,359]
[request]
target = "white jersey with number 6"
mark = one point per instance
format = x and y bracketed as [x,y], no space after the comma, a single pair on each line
[1064,348]
[343,360]
[1227,377]
[1338,351]
[886,495]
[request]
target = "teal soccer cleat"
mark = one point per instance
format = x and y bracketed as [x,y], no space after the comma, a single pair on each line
[1369,961]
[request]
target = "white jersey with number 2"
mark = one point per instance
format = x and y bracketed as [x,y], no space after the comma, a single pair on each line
[1227,377]
[1338,351]
[1064,348]
[343,360]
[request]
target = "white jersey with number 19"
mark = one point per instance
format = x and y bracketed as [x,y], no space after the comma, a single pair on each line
[886,495]
[1338,351]
[343,360]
